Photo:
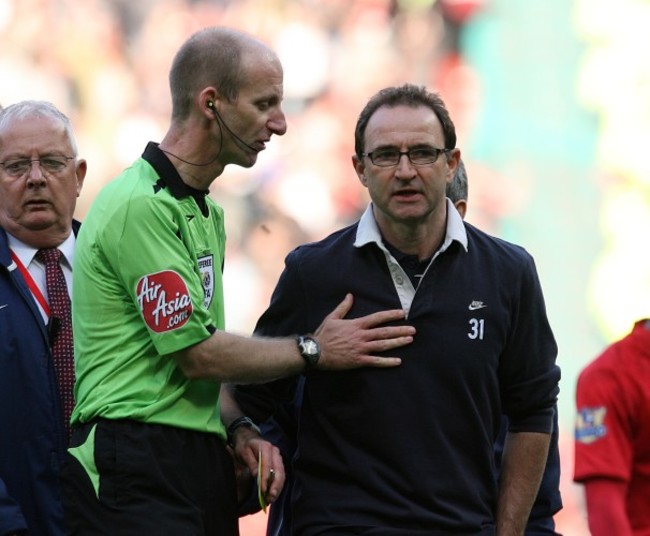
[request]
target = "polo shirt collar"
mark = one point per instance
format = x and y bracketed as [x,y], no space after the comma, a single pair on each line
[368,231]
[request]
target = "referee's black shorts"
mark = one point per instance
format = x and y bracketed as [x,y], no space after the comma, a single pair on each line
[125,478]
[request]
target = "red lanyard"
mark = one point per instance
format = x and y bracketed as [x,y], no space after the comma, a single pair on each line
[31,284]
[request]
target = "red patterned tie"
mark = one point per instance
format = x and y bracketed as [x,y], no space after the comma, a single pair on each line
[61,317]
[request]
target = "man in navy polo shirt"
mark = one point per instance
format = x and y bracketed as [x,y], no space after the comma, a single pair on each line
[281,430]
[409,451]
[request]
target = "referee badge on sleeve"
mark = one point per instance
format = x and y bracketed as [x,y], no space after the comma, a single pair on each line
[206,267]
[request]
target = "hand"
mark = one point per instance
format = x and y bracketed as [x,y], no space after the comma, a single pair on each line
[347,344]
[247,451]
[244,481]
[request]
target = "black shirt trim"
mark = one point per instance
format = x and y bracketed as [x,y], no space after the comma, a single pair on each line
[170,179]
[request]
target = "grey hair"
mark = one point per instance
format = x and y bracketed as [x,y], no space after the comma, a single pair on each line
[457,189]
[28,108]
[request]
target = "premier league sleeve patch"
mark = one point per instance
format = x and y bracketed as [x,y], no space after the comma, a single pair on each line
[590,424]
[164,301]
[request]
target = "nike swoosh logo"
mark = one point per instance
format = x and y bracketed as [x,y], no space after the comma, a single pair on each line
[189,217]
[3,306]
[473,307]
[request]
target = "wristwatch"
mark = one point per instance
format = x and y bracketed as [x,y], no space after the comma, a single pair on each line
[238,423]
[309,350]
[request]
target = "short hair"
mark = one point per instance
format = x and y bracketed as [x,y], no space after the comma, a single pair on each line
[405,95]
[28,108]
[210,57]
[457,189]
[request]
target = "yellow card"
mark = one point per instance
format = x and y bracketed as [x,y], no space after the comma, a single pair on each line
[260,472]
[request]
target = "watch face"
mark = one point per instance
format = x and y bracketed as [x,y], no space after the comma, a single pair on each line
[310,350]
[310,347]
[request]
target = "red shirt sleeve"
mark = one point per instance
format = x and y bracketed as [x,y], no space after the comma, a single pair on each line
[603,434]
[606,507]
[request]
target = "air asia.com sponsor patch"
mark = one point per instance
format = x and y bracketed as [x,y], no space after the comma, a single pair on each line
[164,301]
[590,424]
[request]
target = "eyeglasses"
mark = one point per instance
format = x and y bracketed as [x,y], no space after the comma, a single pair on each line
[49,164]
[420,156]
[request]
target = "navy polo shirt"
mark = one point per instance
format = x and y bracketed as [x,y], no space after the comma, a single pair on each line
[409,450]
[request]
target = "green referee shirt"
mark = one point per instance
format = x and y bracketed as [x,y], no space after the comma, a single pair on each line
[147,282]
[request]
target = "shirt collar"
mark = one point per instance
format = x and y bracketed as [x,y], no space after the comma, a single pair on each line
[27,253]
[169,177]
[368,230]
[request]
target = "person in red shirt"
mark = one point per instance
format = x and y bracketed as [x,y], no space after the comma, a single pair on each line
[612,436]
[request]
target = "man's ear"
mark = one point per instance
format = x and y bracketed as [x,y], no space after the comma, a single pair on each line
[453,158]
[461,207]
[208,99]
[80,172]
[360,169]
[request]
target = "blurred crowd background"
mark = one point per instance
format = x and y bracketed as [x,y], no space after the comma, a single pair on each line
[549,97]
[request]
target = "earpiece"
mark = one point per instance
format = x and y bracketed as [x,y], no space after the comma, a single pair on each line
[220,122]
